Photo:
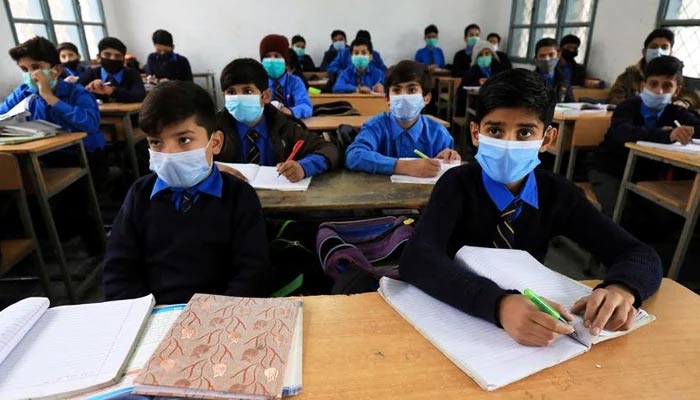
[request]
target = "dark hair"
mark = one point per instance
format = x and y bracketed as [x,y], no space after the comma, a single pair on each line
[471,26]
[298,38]
[570,39]
[362,33]
[361,42]
[174,101]
[242,71]
[67,46]
[493,34]
[37,48]
[665,66]
[163,37]
[409,71]
[660,33]
[339,32]
[516,88]
[112,43]
[545,42]
[430,29]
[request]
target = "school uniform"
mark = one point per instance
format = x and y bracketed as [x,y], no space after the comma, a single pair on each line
[382,141]
[461,62]
[274,136]
[82,67]
[127,84]
[465,209]
[504,60]
[430,55]
[557,82]
[175,243]
[344,59]
[175,67]
[573,72]
[306,64]
[471,78]
[351,78]
[328,57]
[290,90]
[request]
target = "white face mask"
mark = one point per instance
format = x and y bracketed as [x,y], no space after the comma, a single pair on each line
[181,170]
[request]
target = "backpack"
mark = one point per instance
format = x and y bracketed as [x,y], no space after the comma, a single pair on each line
[341,138]
[334,108]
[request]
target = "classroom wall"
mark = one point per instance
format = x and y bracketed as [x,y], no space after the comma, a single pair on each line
[9,73]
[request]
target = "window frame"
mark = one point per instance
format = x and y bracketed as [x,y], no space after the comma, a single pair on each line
[662,22]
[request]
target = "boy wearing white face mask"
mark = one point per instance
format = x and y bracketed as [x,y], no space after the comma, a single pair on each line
[361,76]
[188,228]
[504,202]
[388,137]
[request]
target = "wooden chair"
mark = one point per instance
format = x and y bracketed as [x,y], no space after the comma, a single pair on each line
[587,135]
[15,250]
[446,90]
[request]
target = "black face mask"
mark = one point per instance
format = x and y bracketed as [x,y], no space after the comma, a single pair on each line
[112,66]
[164,56]
[569,55]
[72,65]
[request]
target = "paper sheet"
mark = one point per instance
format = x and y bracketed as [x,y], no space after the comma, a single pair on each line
[262,177]
[17,319]
[444,166]
[693,147]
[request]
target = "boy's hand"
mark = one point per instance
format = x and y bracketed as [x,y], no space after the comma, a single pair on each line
[286,110]
[363,89]
[98,86]
[448,155]
[378,88]
[682,134]
[419,167]
[610,307]
[432,67]
[43,84]
[71,79]
[292,170]
[482,81]
[529,326]
[231,171]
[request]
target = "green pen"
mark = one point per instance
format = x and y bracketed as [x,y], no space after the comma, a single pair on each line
[420,154]
[546,308]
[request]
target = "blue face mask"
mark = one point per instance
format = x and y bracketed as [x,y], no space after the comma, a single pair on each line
[507,161]
[655,101]
[181,170]
[339,45]
[275,67]
[27,79]
[654,53]
[299,51]
[406,107]
[245,108]
[360,62]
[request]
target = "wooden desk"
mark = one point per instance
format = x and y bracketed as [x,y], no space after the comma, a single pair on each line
[119,115]
[571,137]
[357,347]
[331,122]
[680,197]
[318,83]
[310,76]
[347,190]
[47,182]
[366,104]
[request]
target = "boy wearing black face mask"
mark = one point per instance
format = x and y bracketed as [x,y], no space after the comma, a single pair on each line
[113,82]
[547,62]
[573,71]
[164,64]
[70,58]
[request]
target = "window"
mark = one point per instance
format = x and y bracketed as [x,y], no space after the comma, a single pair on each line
[78,21]
[531,20]
[683,18]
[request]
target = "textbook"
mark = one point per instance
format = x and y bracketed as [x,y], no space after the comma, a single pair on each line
[261,177]
[693,147]
[62,351]
[228,348]
[15,128]
[444,166]
[486,353]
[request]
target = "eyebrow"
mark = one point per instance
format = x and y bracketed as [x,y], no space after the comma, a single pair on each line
[182,133]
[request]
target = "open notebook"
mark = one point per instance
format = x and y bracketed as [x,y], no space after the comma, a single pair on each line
[483,351]
[693,147]
[261,177]
[444,166]
[52,353]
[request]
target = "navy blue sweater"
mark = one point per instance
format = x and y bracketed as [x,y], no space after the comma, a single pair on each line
[460,212]
[218,247]
[129,90]
[175,67]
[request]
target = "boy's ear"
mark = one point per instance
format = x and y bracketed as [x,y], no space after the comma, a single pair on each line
[427,98]
[217,142]
[474,130]
[550,136]
[266,96]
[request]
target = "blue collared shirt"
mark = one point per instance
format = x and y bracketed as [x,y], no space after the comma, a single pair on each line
[502,197]
[423,56]
[651,117]
[119,76]
[344,59]
[548,78]
[567,70]
[211,185]
[486,71]
[296,98]
[347,80]
[76,110]
[382,141]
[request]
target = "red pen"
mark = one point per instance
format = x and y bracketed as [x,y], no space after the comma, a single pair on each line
[295,150]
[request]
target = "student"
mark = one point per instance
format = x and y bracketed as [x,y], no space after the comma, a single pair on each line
[649,117]
[344,58]
[113,82]
[431,55]
[658,43]
[187,228]
[573,71]
[250,118]
[485,64]
[305,64]
[387,138]
[70,58]
[495,40]
[361,76]
[288,90]
[463,58]
[164,63]
[502,201]
[339,43]
[548,68]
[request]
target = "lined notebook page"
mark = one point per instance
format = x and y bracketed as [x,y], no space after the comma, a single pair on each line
[261,177]
[483,351]
[426,181]
[17,319]
[74,348]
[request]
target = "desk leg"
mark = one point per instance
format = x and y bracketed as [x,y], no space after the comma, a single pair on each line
[563,144]
[691,217]
[131,150]
[626,179]
[34,168]
[93,203]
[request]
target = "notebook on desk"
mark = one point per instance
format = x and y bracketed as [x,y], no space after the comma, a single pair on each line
[483,351]
[693,147]
[262,177]
[444,166]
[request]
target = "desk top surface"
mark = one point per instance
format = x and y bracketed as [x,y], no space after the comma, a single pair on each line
[356,121]
[108,108]
[689,159]
[44,145]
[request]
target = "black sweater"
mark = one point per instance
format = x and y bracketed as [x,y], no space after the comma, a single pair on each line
[175,68]
[460,212]
[218,247]
[130,90]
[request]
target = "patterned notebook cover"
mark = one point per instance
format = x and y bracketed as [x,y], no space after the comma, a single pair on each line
[221,347]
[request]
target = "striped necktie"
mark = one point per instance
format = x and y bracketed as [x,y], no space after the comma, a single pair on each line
[186,202]
[279,95]
[358,79]
[504,237]
[253,150]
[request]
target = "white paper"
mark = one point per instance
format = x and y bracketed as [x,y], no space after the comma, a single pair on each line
[693,147]
[444,166]
[262,177]
[20,111]
[17,319]
[292,382]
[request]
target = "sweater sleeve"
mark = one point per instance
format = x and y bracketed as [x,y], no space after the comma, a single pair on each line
[134,92]
[13,98]
[302,103]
